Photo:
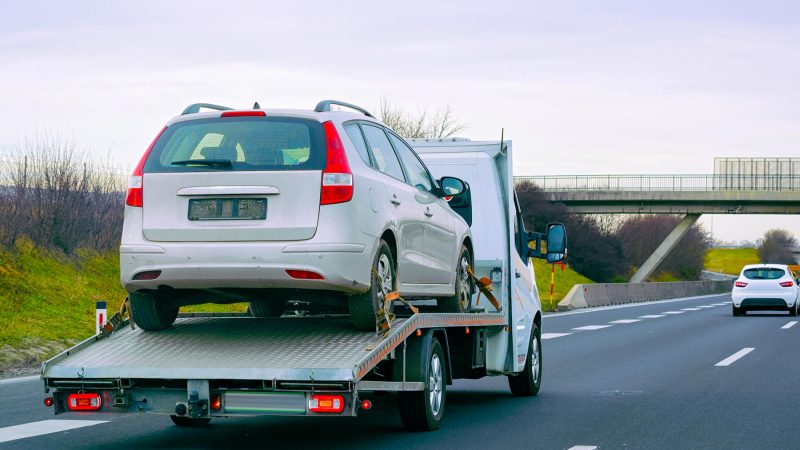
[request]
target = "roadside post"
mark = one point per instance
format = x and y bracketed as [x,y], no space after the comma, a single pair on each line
[99,316]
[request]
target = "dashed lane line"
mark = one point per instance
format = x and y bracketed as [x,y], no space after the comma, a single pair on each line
[734,357]
[672,313]
[41,427]
[583,447]
[626,321]
[789,325]
[553,335]
[652,316]
[690,309]
[591,327]
[707,306]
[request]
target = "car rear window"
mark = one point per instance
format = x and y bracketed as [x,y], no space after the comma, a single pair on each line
[767,273]
[241,143]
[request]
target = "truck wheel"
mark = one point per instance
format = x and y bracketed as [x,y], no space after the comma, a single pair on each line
[182,421]
[462,300]
[149,313]
[528,382]
[363,307]
[267,308]
[423,410]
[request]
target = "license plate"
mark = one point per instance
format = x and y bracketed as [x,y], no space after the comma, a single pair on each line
[228,209]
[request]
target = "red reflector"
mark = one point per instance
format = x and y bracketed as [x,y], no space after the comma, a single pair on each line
[216,402]
[84,402]
[326,403]
[243,114]
[304,275]
[740,284]
[48,401]
[366,405]
[149,275]
[787,284]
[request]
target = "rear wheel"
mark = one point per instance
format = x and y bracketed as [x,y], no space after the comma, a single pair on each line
[737,311]
[149,312]
[364,307]
[182,421]
[461,301]
[267,308]
[528,382]
[793,310]
[423,410]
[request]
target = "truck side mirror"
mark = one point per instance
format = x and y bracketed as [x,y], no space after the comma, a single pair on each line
[451,186]
[556,242]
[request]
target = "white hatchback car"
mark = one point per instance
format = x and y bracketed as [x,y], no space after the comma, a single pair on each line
[267,206]
[765,287]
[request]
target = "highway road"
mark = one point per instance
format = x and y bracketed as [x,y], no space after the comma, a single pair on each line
[662,375]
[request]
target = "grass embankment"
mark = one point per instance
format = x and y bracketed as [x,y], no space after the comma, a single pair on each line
[730,260]
[564,280]
[47,300]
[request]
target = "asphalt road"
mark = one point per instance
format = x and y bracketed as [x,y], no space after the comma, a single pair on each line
[650,380]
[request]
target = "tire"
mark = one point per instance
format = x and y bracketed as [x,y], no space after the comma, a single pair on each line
[363,307]
[793,310]
[267,308]
[737,311]
[149,313]
[423,410]
[528,382]
[461,301]
[182,421]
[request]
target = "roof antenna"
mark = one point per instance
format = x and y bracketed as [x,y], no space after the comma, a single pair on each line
[256,105]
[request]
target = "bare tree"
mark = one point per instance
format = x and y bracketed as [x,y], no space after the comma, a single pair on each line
[441,124]
[776,247]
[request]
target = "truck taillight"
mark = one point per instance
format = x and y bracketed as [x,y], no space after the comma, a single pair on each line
[326,403]
[740,284]
[84,402]
[135,195]
[337,179]
[787,284]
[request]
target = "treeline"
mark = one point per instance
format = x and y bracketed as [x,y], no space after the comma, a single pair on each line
[609,248]
[54,195]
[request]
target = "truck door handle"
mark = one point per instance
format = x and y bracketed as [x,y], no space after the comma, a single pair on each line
[428,212]
[517,274]
[395,200]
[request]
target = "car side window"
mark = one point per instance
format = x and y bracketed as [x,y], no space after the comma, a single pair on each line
[418,175]
[385,159]
[358,141]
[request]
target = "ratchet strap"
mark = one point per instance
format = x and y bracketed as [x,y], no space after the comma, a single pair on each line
[117,320]
[484,287]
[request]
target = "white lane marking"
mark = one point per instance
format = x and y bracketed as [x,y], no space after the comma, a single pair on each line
[732,359]
[723,304]
[19,379]
[789,325]
[583,447]
[630,305]
[690,309]
[32,429]
[626,321]
[652,316]
[591,327]
[673,312]
[706,306]
[554,335]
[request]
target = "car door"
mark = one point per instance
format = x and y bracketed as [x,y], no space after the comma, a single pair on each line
[407,211]
[440,237]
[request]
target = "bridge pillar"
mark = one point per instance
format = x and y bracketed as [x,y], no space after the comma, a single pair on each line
[663,250]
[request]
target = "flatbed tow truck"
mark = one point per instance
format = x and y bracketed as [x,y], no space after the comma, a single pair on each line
[226,365]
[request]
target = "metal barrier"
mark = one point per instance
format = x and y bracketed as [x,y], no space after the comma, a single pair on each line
[669,183]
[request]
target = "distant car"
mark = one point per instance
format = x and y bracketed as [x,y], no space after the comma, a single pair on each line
[269,206]
[771,287]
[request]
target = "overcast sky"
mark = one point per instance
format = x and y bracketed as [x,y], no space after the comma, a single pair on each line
[581,87]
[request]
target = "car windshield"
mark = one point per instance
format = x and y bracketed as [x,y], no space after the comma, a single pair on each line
[246,143]
[765,273]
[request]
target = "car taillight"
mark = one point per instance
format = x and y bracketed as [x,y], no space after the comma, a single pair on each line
[787,284]
[337,179]
[84,402]
[326,403]
[243,114]
[135,196]
[740,284]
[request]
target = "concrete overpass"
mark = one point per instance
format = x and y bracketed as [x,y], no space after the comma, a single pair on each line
[687,195]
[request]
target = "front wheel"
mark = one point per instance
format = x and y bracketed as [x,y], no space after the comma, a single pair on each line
[461,301]
[150,313]
[528,382]
[423,410]
[364,307]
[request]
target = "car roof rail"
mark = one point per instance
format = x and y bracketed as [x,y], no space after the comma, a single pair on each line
[195,108]
[325,106]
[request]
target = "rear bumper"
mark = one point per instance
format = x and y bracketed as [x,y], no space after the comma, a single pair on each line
[344,266]
[764,301]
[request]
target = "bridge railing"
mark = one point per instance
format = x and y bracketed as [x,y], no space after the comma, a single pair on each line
[664,182]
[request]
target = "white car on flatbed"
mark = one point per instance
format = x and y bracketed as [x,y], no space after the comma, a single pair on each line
[771,287]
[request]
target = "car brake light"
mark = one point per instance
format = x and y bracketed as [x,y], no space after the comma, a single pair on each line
[84,402]
[337,179]
[326,403]
[304,274]
[243,114]
[135,196]
[787,284]
[740,284]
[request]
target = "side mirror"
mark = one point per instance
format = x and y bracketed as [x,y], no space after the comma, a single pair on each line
[451,186]
[556,242]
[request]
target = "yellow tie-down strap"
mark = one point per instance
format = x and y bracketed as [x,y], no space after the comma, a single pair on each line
[484,287]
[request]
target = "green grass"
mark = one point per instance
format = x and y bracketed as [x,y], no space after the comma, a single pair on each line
[730,260]
[564,280]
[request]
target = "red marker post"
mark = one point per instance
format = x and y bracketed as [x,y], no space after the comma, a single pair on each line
[100,316]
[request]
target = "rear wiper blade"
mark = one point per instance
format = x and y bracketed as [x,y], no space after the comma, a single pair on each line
[203,162]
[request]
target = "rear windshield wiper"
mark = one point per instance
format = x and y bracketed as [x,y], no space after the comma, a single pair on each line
[203,162]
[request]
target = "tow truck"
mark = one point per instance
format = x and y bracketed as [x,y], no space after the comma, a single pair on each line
[215,365]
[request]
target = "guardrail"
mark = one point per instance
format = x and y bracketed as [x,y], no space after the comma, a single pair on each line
[664,182]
